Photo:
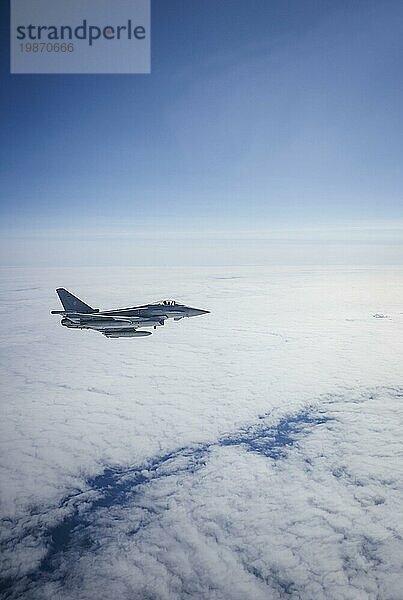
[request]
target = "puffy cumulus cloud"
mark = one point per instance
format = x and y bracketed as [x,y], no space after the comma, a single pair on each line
[275,342]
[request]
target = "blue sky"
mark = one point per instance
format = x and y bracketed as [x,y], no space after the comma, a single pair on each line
[257,115]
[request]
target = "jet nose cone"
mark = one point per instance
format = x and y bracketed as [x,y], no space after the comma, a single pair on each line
[194,312]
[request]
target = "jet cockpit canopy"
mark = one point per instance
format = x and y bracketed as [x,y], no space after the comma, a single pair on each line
[169,302]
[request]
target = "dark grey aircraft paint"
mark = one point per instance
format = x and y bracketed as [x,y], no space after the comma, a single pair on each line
[121,322]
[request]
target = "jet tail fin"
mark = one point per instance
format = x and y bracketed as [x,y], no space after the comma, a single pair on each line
[73,304]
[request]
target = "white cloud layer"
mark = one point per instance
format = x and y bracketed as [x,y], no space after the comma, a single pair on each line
[216,519]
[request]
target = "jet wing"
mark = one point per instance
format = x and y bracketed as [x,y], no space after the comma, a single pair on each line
[96,317]
[88,317]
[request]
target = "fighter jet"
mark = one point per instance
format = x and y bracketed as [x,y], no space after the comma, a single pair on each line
[121,322]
